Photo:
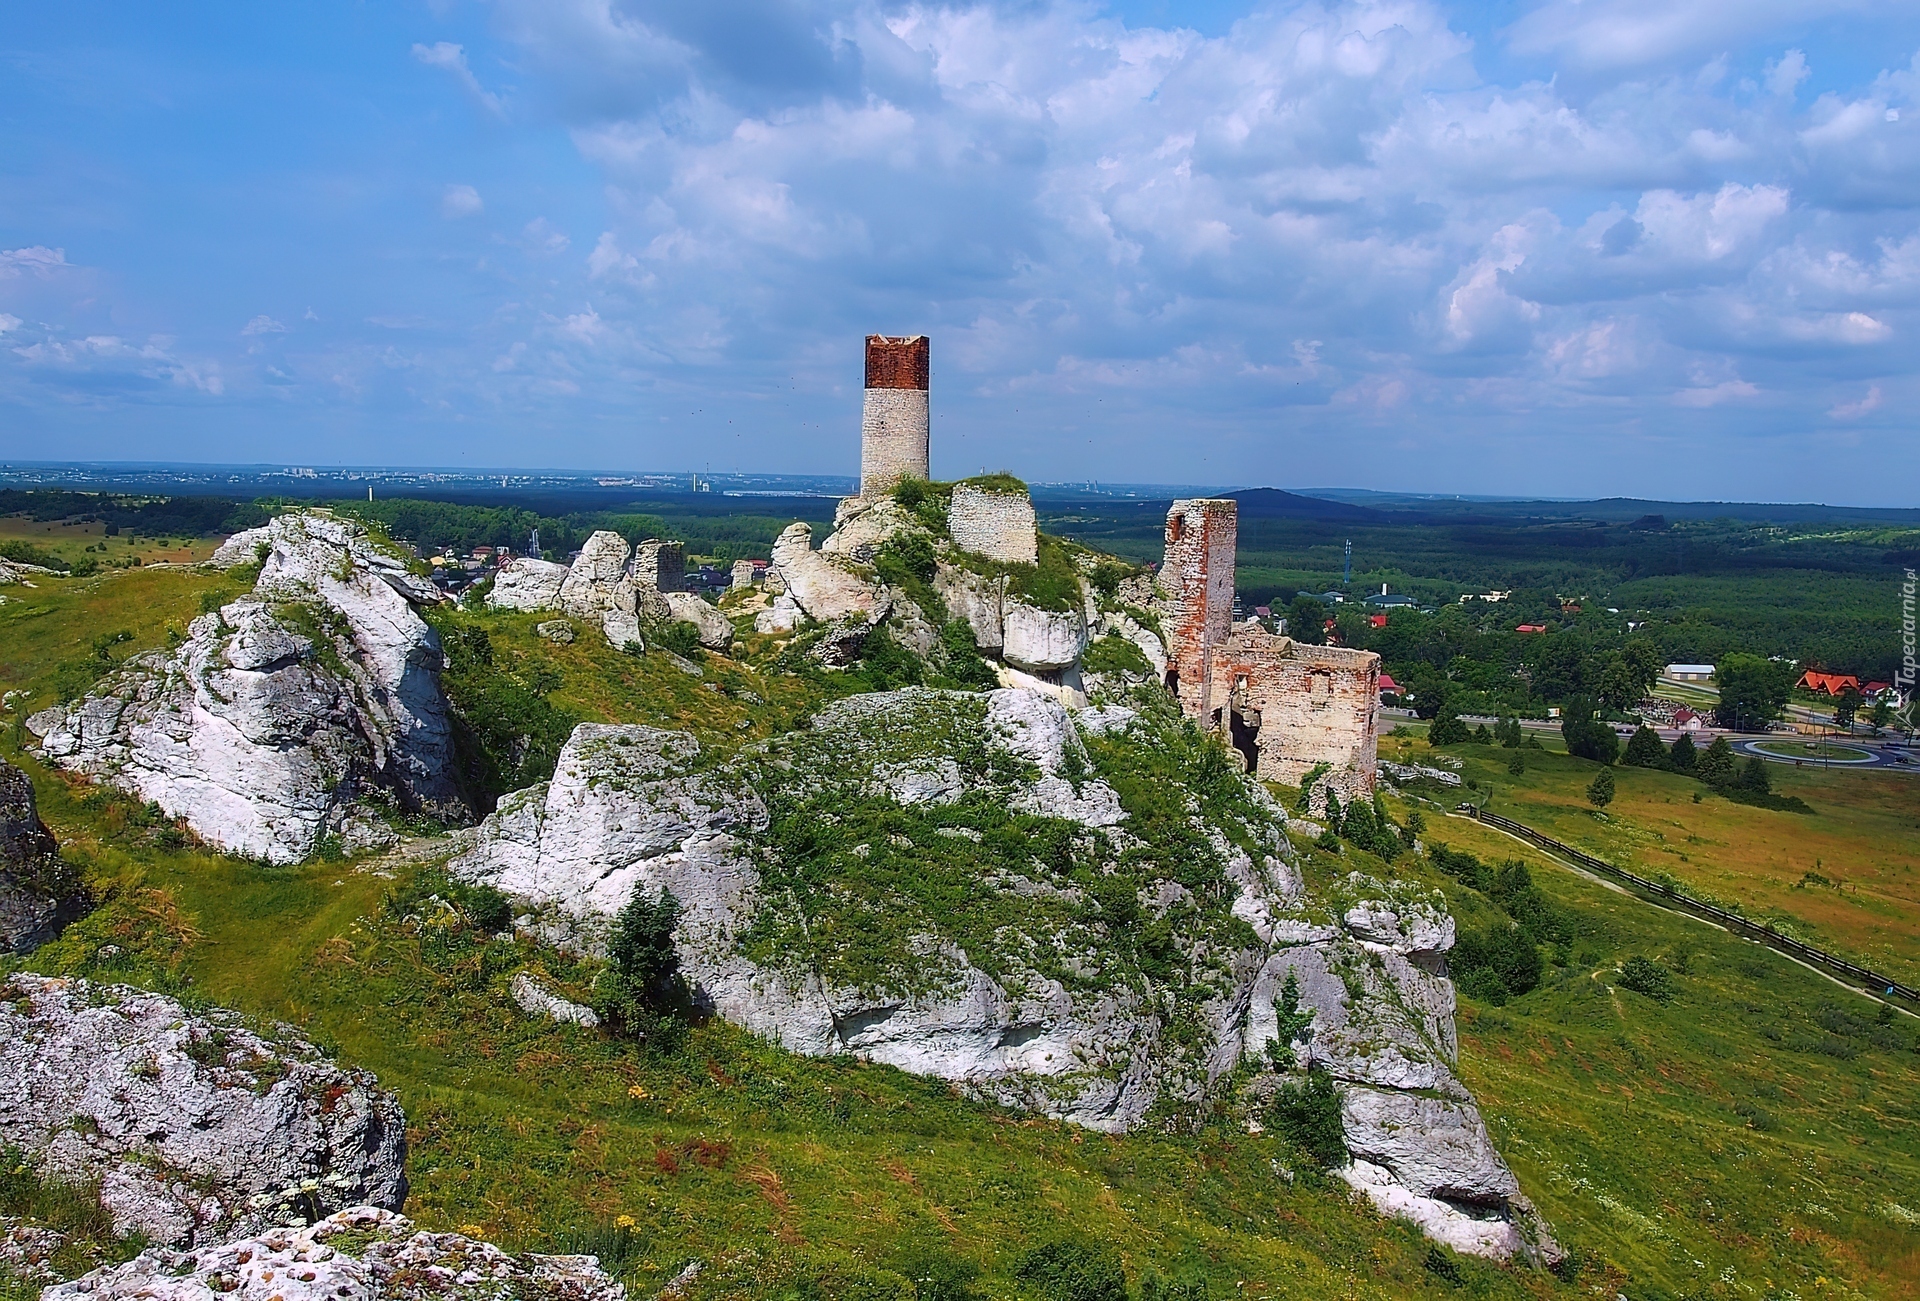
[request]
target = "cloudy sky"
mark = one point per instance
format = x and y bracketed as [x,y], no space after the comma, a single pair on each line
[1660,247]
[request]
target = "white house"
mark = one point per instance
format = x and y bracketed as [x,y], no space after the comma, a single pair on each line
[1689,672]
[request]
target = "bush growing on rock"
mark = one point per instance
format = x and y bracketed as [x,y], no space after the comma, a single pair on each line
[642,992]
[1307,1115]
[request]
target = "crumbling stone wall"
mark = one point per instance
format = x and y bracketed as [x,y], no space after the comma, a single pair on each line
[997,525]
[1290,707]
[894,413]
[1197,578]
[660,565]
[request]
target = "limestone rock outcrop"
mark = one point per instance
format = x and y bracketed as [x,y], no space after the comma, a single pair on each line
[824,584]
[363,1253]
[311,707]
[1042,640]
[39,893]
[527,584]
[715,629]
[1029,994]
[193,1126]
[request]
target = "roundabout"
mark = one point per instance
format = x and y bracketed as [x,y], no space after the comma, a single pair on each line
[1832,754]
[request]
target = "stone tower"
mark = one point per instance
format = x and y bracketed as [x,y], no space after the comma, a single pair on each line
[1197,576]
[893,417]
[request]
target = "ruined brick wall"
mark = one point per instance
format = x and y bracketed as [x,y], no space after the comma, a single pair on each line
[997,525]
[1197,577]
[660,565]
[1304,706]
[894,413]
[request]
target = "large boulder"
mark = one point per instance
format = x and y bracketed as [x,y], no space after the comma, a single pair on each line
[311,707]
[192,1125]
[527,584]
[363,1253]
[715,629]
[39,892]
[1042,640]
[825,585]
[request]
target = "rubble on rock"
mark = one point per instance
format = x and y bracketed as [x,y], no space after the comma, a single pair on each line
[311,707]
[192,1125]
[364,1253]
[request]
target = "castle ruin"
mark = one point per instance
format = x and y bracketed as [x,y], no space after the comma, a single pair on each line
[1286,706]
[893,413]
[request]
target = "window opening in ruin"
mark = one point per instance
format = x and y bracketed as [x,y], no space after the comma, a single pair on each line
[1176,528]
[1245,740]
[1320,686]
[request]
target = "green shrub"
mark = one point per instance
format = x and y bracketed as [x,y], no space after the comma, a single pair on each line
[1496,963]
[1482,736]
[1053,583]
[1074,1271]
[1600,789]
[1307,1115]
[905,558]
[963,665]
[938,1275]
[25,553]
[1647,977]
[1294,1025]
[1715,767]
[642,993]
[1114,654]
[675,635]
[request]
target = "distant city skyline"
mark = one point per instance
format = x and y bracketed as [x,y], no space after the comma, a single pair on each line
[1533,248]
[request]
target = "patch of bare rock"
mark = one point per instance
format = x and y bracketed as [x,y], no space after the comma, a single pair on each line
[192,1126]
[365,1253]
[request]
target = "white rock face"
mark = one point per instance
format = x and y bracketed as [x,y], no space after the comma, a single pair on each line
[1126,626]
[819,583]
[742,576]
[287,715]
[1042,640]
[861,524]
[783,616]
[527,584]
[1037,728]
[975,599]
[364,1253]
[535,999]
[716,632]
[192,1125]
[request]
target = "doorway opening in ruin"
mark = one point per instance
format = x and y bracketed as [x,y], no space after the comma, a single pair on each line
[1173,681]
[1245,738]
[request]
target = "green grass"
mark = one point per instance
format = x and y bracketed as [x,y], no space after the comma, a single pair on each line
[1754,1137]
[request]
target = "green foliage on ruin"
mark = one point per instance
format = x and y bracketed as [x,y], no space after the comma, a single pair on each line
[1114,654]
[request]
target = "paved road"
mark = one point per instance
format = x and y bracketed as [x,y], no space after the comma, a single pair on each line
[1871,754]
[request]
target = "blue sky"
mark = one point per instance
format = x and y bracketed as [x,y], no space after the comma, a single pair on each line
[1659,247]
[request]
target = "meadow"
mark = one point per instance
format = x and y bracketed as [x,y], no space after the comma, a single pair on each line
[1755,1136]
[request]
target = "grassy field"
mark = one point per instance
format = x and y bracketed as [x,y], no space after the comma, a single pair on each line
[1845,878]
[74,542]
[1754,1138]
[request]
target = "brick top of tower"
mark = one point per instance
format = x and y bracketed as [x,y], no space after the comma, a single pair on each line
[896,362]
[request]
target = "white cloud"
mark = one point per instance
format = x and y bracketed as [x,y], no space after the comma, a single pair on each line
[262,325]
[453,59]
[460,201]
[1732,390]
[8,323]
[1870,401]
[1785,75]
[1607,34]
[39,260]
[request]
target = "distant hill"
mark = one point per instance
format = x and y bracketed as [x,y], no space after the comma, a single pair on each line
[1272,503]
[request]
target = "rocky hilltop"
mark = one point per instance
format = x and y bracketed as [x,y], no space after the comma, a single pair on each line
[1091,915]
[191,1126]
[310,707]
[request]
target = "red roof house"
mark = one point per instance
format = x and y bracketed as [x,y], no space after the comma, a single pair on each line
[1833,684]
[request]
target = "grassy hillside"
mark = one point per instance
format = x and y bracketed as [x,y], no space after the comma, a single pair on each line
[1754,1137]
